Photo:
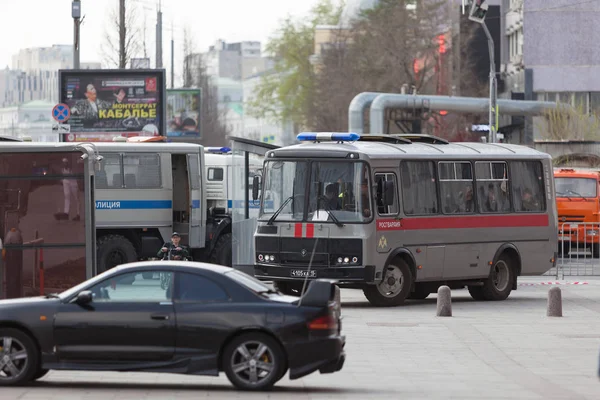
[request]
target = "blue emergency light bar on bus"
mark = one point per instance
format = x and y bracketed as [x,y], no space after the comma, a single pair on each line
[328,137]
[220,150]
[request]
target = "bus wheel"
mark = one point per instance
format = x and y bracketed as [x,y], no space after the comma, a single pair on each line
[114,250]
[499,285]
[393,289]
[221,254]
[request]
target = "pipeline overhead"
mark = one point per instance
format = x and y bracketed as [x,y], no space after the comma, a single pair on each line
[357,107]
[433,102]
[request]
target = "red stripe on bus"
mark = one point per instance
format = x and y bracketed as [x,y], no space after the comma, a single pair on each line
[483,221]
[310,230]
[298,230]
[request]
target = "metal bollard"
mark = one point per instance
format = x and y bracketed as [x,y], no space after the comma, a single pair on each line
[554,302]
[444,302]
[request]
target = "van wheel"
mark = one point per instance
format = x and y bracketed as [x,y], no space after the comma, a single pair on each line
[221,254]
[499,285]
[393,289]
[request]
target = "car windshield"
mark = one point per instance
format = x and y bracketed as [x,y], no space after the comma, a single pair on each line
[248,281]
[576,187]
[338,191]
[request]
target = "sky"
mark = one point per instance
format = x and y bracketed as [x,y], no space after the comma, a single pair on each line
[40,23]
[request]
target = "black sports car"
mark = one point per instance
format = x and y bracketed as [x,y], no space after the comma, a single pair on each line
[174,316]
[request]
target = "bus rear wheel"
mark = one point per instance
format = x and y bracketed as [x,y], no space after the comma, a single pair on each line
[499,284]
[393,289]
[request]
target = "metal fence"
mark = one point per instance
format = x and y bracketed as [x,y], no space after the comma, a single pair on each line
[579,250]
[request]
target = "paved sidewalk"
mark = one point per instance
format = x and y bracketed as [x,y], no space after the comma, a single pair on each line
[499,350]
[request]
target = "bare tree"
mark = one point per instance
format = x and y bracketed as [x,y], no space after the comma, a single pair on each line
[390,46]
[213,115]
[111,48]
[189,57]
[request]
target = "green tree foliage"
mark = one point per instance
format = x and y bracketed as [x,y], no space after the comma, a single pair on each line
[286,93]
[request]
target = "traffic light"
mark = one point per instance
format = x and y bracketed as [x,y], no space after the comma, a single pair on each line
[479,9]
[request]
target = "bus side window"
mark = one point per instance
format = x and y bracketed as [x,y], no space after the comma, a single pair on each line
[419,187]
[386,190]
[528,186]
[492,186]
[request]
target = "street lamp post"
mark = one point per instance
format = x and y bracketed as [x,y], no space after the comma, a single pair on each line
[477,14]
[76,14]
[493,88]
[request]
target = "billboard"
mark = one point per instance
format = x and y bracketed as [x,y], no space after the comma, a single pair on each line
[183,112]
[109,103]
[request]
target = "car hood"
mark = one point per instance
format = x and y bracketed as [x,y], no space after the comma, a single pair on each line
[27,302]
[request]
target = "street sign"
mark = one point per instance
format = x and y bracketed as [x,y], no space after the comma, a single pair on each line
[64,128]
[61,112]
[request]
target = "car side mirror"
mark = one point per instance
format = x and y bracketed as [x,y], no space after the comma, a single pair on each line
[255,187]
[388,193]
[84,297]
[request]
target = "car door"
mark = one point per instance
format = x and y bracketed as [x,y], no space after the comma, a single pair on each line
[130,318]
[204,319]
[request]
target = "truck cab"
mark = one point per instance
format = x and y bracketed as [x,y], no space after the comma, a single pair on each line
[578,206]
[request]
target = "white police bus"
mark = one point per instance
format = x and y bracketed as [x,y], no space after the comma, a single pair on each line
[400,215]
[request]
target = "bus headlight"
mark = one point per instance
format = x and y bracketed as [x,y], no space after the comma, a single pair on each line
[261,258]
[592,232]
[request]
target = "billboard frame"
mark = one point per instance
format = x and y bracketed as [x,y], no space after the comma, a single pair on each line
[200,105]
[161,86]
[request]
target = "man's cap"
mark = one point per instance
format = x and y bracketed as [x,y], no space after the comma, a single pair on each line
[175,234]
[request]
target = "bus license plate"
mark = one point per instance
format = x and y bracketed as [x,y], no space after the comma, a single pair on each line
[564,238]
[302,273]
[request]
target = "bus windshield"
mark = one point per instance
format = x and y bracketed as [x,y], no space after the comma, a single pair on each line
[575,187]
[320,191]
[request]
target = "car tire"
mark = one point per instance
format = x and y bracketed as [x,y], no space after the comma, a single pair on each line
[269,368]
[221,255]
[23,355]
[394,288]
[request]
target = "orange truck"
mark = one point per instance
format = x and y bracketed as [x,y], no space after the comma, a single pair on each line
[578,207]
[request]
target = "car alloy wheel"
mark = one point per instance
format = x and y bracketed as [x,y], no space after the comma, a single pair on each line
[13,359]
[253,362]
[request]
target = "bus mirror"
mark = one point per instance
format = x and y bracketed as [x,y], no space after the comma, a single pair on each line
[255,186]
[388,193]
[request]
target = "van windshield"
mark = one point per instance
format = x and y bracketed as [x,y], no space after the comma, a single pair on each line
[576,187]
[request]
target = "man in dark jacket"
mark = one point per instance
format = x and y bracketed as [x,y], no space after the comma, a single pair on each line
[173,250]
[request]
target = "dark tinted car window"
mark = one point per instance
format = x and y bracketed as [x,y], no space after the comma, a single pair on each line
[195,288]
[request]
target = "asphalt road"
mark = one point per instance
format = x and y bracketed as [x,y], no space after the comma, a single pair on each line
[501,350]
